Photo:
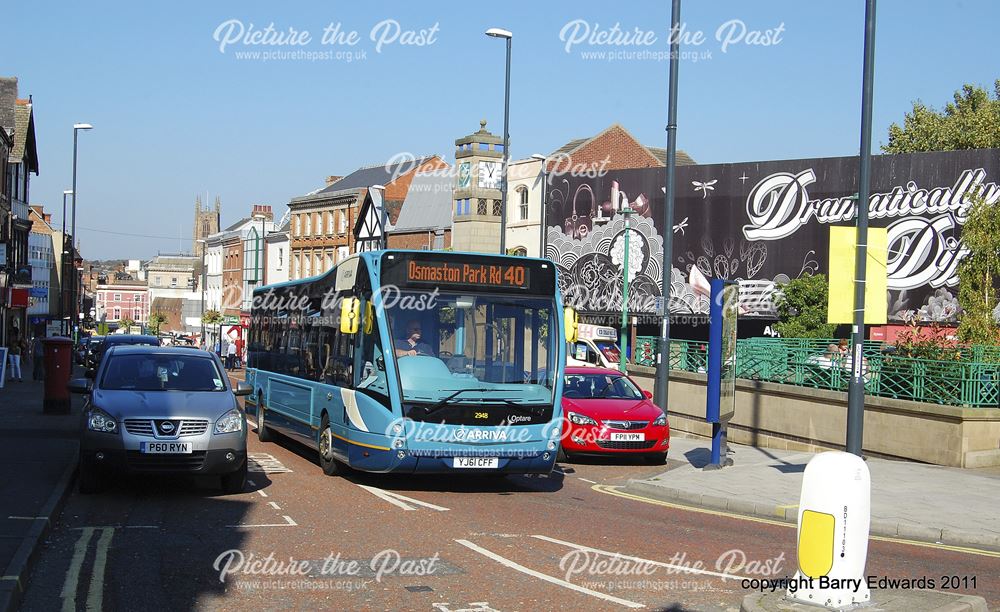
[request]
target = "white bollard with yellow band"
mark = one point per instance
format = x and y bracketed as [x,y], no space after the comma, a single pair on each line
[834,519]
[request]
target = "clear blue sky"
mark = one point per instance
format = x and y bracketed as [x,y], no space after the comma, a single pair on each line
[174,117]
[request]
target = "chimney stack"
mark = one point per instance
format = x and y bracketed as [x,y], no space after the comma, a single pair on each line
[263,209]
[330,180]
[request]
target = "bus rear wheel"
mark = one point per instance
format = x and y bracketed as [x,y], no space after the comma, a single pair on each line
[263,433]
[326,460]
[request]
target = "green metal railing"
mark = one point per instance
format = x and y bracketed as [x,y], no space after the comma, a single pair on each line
[971,379]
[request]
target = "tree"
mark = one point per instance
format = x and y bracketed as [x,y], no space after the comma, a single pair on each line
[972,121]
[155,321]
[801,306]
[977,273]
[211,317]
[125,323]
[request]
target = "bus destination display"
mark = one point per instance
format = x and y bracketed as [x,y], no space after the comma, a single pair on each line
[506,275]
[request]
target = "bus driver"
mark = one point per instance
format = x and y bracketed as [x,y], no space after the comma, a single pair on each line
[412,345]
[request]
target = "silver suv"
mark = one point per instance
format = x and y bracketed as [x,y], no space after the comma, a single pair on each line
[161,410]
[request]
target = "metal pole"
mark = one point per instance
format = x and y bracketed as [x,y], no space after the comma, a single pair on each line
[622,362]
[72,250]
[662,390]
[62,268]
[506,157]
[856,387]
[204,247]
[542,214]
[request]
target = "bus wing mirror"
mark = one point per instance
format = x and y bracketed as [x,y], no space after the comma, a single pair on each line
[572,325]
[350,312]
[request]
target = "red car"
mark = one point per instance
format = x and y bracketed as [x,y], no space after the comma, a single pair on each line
[605,412]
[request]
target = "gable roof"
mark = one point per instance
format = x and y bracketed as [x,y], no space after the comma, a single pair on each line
[427,205]
[381,174]
[683,159]
[24,136]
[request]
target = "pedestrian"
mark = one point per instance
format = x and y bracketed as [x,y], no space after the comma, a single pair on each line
[231,356]
[37,358]
[15,348]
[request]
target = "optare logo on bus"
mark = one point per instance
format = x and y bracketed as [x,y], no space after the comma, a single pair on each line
[481,434]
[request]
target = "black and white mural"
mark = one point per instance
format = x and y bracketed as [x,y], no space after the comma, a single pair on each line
[763,223]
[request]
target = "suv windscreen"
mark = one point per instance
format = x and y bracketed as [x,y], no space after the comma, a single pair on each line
[161,372]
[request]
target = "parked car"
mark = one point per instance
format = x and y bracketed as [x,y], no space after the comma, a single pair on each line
[115,340]
[92,343]
[161,410]
[607,413]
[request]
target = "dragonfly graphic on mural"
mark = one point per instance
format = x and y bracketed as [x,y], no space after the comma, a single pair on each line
[680,226]
[704,187]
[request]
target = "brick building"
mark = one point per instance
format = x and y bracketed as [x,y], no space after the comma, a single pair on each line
[122,299]
[322,222]
[424,221]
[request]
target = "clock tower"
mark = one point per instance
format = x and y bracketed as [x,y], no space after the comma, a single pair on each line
[476,198]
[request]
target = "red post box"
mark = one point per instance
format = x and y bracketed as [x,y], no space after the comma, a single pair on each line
[58,369]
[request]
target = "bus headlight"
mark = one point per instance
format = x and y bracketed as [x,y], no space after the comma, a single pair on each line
[398,443]
[552,445]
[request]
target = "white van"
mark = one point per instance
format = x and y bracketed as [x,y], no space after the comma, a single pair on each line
[596,346]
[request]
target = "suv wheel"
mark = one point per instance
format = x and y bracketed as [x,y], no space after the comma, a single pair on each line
[234,482]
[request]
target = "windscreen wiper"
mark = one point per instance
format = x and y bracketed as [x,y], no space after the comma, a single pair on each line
[444,402]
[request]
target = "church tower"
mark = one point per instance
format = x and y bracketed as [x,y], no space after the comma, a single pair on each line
[476,196]
[206,223]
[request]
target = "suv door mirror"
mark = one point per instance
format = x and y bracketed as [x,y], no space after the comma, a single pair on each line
[80,385]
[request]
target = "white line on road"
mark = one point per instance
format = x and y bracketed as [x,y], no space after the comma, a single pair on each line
[547,578]
[590,481]
[274,505]
[29,518]
[670,566]
[288,523]
[95,594]
[251,422]
[383,495]
[68,593]
[401,500]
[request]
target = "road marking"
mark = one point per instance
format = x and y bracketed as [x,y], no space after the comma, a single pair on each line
[263,462]
[95,594]
[274,505]
[590,481]
[401,500]
[551,579]
[670,566]
[29,518]
[262,493]
[610,490]
[289,522]
[72,581]
[251,422]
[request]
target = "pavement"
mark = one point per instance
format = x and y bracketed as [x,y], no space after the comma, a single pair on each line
[910,501]
[39,455]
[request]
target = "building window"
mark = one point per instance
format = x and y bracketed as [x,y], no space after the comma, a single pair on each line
[138,297]
[342,221]
[523,193]
[138,314]
[173,281]
[281,256]
[118,297]
[118,314]
[307,230]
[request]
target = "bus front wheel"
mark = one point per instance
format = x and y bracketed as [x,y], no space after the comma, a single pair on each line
[326,460]
[263,433]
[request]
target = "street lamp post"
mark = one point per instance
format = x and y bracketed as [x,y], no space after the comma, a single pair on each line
[507,35]
[76,131]
[622,365]
[542,213]
[63,267]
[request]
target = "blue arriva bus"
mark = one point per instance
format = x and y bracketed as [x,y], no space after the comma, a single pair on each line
[414,361]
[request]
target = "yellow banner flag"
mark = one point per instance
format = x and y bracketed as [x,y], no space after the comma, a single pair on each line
[840,306]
